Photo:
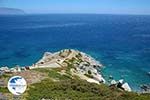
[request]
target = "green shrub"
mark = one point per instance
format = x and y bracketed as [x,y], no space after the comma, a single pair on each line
[4,90]
[78,90]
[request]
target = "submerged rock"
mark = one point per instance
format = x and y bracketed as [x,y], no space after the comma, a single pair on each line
[148,73]
[111,77]
[145,88]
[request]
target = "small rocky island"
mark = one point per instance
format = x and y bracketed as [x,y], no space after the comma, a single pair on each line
[66,70]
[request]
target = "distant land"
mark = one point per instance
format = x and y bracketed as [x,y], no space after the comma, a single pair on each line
[10,11]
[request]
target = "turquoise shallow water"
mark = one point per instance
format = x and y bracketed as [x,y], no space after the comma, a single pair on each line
[119,42]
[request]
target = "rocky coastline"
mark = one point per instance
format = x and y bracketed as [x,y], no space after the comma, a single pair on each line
[80,64]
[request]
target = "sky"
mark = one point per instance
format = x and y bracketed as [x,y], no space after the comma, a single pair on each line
[80,6]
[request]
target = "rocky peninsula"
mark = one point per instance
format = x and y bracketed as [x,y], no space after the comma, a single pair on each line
[80,64]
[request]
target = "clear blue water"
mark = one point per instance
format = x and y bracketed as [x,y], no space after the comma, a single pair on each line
[120,42]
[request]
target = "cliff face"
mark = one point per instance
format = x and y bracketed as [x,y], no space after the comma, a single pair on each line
[10,11]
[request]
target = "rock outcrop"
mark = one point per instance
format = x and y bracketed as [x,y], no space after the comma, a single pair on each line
[79,64]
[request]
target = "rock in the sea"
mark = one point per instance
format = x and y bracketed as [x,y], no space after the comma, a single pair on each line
[146,88]
[113,82]
[121,81]
[126,87]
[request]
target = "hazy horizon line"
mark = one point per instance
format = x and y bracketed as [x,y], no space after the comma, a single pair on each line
[79,14]
[97,13]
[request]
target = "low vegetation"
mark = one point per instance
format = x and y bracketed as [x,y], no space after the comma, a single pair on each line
[4,90]
[54,73]
[5,76]
[68,88]
[78,90]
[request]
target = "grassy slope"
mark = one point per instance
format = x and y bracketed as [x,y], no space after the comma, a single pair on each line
[75,89]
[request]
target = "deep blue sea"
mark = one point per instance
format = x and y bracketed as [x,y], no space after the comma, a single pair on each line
[120,42]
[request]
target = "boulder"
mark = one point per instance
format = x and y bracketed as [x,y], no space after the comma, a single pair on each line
[113,82]
[126,87]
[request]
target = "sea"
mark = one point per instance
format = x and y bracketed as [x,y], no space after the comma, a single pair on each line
[120,42]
